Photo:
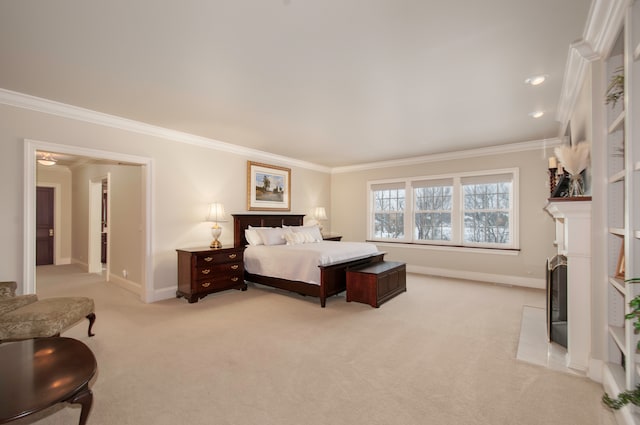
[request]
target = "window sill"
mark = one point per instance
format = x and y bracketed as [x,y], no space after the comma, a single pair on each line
[452,248]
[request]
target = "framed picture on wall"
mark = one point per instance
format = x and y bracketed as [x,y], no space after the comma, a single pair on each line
[268,187]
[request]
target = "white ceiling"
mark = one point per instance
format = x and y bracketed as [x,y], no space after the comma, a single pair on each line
[331,82]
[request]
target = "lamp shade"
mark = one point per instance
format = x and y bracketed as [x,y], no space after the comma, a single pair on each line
[319,213]
[216,213]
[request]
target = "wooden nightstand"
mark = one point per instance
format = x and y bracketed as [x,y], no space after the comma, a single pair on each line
[203,271]
[331,237]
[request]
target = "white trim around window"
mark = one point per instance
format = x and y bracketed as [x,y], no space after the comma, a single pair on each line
[448,206]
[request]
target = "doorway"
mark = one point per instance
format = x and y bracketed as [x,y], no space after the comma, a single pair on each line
[31,147]
[98,242]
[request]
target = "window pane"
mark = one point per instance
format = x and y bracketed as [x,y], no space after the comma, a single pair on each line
[389,225]
[433,226]
[389,213]
[486,213]
[433,213]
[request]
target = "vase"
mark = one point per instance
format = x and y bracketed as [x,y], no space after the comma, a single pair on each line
[576,185]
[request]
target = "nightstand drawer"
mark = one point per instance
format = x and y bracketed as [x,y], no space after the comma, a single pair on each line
[218,270]
[216,283]
[205,259]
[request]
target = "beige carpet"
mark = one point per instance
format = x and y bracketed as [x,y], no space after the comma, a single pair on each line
[442,353]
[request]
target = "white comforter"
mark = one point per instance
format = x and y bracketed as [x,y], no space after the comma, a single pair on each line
[300,262]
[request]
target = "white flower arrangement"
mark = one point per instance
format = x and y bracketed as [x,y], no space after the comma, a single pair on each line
[574,158]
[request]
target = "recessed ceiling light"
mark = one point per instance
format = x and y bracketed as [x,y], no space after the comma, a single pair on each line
[536,114]
[535,80]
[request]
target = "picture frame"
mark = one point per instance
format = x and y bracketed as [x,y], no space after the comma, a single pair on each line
[620,268]
[276,196]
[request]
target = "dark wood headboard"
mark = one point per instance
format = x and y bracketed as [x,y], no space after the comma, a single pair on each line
[243,221]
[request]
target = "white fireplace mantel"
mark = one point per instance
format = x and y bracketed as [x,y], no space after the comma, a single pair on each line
[573,239]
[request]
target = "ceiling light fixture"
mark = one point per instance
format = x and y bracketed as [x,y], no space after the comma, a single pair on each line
[535,80]
[536,114]
[47,159]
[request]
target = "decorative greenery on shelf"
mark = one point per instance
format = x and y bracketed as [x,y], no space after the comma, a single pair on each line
[629,396]
[615,89]
[634,314]
[624,398]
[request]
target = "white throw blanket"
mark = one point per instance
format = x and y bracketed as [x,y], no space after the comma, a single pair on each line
[300,262]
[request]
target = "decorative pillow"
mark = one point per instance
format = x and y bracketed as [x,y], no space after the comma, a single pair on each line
[272,235]
[294,238]
[313,231]
[253,237]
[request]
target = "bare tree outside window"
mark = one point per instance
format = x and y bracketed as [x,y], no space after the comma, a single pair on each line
[486,213]
[389,205]
[474,210]
[433,213]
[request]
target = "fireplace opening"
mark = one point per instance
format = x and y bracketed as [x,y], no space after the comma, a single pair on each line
[557,299]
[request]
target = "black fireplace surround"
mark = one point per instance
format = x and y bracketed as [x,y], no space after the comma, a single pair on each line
[557,299]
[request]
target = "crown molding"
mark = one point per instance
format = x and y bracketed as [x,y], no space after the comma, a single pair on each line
[24,101]
[601,30]
[38,104]
[449,156]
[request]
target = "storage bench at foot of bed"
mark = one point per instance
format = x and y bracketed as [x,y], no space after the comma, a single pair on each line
[376,283]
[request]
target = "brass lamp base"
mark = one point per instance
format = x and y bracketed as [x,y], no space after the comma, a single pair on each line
[215,232]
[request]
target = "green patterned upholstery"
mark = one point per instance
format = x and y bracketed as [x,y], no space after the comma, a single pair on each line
[24,316]
[44,318]
[10,304]
[7,289]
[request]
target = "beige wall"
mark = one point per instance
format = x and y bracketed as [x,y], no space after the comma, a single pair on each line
[349,208]
[59,178]
[126,218]
[184,179]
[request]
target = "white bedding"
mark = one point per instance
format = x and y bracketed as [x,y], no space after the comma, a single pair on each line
[300,262]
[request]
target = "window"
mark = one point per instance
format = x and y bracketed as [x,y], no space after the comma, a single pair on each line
[432,210]
[475,210]
[487,206]
[388,207]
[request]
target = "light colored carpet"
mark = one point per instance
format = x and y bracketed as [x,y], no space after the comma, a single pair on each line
[442,353]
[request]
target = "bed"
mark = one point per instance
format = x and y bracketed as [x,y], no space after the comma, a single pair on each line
[332,276]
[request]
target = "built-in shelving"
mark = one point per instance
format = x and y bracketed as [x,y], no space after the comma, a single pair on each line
[617,332]
[622,367]
[617,177]
[617,123]
[617,283]
[619,231]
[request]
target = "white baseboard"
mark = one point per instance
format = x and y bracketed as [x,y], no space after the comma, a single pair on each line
[162,294]
[482,277]
[85,266]
[63,261]
[129,285]
[595,370]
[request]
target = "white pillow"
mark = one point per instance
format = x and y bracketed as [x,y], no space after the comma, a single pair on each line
[252,237]
[313,231]
[294,238]
[272,235]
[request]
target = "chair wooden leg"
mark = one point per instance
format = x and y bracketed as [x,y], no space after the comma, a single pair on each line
[92,319]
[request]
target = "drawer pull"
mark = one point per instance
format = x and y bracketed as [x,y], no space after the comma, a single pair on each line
[233,255]
[234,279]
[234,267]
[206,284]
[208,259]
[206,271]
